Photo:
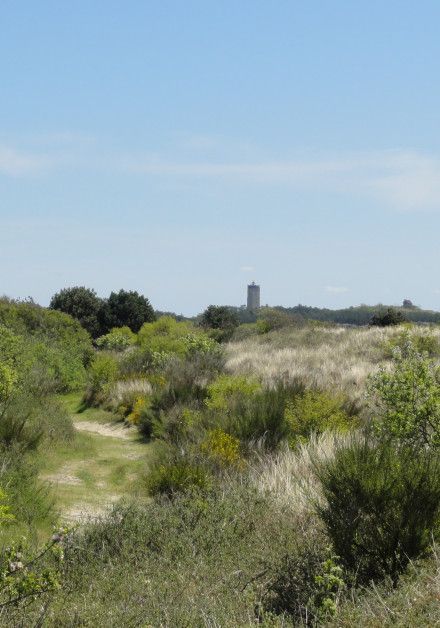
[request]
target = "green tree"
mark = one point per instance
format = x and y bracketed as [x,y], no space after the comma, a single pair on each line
[128,308]
[221,318]
[81,303]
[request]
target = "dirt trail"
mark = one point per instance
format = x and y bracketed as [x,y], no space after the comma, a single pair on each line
[105,462]
[105,429]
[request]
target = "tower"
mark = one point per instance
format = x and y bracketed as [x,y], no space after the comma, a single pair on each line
[253,296]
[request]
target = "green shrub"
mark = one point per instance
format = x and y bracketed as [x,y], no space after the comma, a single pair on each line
[381,506]
[118,339]
[226,390]
[407,399]
[387,318]
[102,373]
[423,341]
[177,477]
[314,412]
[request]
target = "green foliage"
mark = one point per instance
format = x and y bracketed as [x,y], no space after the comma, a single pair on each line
[8,380]
[271,318]
[222,448]
[423,341]
[226,390]
[82,304]
[177,477]
[220,318]
[165,335]
[102,373]
[388,317]
[407,399]
[329,585]
[128,309]
[26,575]
[381,506]
[314,412]
[261,416]
[118,339]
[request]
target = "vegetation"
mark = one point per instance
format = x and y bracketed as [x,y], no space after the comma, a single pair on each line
[98,316]
[274,478]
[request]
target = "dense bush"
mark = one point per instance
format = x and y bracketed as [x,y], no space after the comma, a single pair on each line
[381,506]
[118,339]
[387,318]
[314,412]
[407,399]
[102,373]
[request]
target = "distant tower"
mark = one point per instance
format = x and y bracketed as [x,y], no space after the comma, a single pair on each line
[253,296]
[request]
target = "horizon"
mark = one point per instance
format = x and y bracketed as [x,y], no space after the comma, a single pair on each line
[180,150]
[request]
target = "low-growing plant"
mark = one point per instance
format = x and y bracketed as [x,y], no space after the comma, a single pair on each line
[178,476]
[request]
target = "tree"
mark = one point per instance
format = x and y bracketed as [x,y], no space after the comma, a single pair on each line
[219,317]
[81,303]
[128,308]
[389,317]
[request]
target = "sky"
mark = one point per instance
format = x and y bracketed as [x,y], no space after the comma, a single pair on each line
[185,149]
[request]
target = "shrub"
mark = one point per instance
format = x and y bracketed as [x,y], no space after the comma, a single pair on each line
[261,416]
[177,477]
[222,448]
[102,373]
[381,505]
[118,339]
[226,390]
[424,342]
[387,318]
[407,399]
[315,411]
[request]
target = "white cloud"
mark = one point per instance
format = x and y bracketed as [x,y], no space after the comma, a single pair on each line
[14,163]
[336,289]
[247,269]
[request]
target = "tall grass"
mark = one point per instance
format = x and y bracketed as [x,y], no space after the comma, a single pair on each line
[334,358]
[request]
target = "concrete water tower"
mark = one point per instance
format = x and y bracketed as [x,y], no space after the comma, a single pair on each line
[253,296]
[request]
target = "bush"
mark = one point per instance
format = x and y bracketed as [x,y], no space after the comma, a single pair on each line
[381,506]
[226,390]
[315,412]
[407,399]
[177,477]
[118,339]
[221,448]
[261,416]
[102,373]
[387,318]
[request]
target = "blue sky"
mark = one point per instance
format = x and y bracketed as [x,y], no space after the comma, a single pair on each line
[184,149]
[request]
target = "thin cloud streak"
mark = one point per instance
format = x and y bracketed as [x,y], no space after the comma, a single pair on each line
[336,289]
[404,179]
[14,163]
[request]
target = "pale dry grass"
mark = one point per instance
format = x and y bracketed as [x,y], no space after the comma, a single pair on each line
[289,476]
[127,387]
[334,358]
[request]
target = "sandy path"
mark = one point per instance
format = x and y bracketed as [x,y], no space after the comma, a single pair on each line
[104,429]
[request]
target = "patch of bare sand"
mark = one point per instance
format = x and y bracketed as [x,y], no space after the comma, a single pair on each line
[104,429]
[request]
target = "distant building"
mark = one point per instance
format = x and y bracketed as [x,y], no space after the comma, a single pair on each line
[253,296]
